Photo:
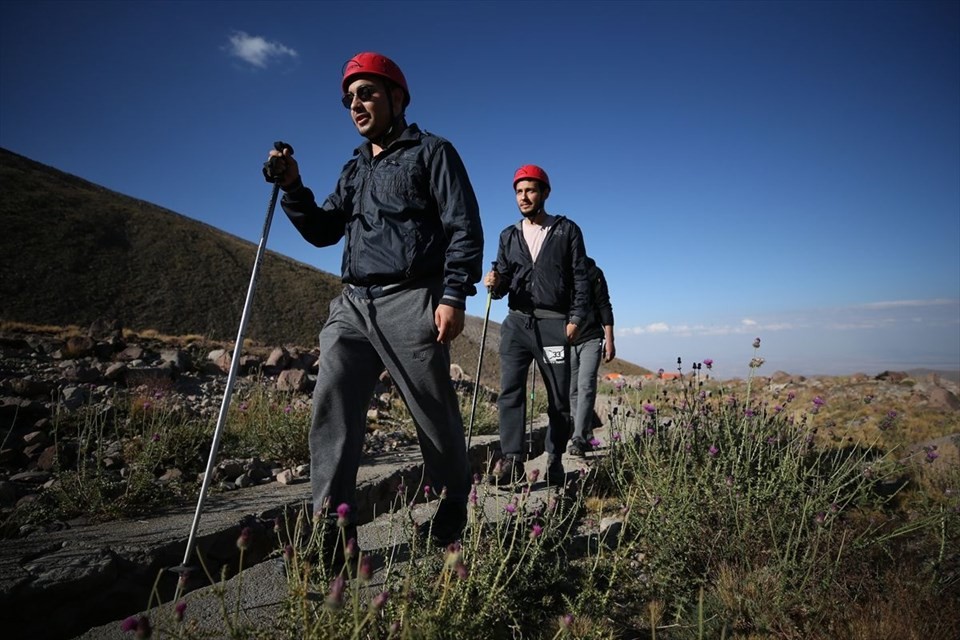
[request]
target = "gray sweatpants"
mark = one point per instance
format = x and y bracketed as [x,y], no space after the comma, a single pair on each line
[584,364]
[360,338]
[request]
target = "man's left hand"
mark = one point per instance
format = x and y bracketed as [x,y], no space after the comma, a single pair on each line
[572,331]
[449,322]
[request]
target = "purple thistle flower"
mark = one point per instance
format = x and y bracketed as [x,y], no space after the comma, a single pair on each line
[477,479]
[155,437]
[511,508]
[180,610]
[708,362]
[818,401]
[146,405]
[473,496]
[932,454]
[287,409]
[426,491]
[713,451]
[748,412]
[462,571]
[379,600]
[616,436]
[756,343]
[649,408]
[536,531]
[534,475]
[777,408]
[594,442]
[129,624]
[649,431]
[243,406]
[288,552]
[243,541]
[365,569]
[351,549]
[158,394]
[343,514]
[335,596]
[791,395]
[566,620]
[820,518]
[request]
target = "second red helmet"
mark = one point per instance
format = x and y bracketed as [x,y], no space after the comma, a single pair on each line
[531,172]
[370,63]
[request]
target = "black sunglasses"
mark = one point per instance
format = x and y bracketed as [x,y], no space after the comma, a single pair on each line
[364,92]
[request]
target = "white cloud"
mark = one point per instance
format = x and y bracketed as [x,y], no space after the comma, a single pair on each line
[256,50]
[937,312]
[899,304]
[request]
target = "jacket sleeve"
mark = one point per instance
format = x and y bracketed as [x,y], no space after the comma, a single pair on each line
[460,216]
[320,226]
[601,300]
[503,267]
[580,305]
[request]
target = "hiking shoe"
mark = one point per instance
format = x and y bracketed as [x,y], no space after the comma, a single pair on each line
[556,475]
[508,472]
[338,547]
[578,447]
[447,524]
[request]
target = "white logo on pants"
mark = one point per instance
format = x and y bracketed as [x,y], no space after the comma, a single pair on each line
[553,355]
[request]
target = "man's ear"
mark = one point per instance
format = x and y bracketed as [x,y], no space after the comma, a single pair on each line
[398,96]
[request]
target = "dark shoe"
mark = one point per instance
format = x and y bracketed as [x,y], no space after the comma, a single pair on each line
[337,549]
[577,447]
[338,546]
[447,524]
[507,473]
[556,476]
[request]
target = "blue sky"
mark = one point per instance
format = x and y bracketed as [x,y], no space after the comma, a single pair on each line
[782,170]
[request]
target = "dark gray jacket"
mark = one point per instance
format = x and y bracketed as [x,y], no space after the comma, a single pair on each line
[407,214]
[601,311]
[556,282]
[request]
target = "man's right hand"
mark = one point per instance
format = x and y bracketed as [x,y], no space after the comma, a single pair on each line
[491,280]
[291,171]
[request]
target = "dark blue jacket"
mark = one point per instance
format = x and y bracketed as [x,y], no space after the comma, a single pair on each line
[407,214]
[556,282]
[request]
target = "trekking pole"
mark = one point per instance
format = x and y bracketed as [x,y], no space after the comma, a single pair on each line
[272,169]
[476,380]
[533,398]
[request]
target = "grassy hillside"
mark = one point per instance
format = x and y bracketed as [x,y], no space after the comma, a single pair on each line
[72,251]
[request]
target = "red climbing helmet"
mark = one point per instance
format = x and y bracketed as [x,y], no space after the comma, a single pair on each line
[375,64]
[531,172]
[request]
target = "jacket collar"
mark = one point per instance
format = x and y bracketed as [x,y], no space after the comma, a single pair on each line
[408,137]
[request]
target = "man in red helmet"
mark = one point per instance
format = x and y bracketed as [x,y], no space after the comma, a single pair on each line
[541,268]
[412,255]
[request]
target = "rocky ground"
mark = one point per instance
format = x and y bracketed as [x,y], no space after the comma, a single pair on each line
[45,377]
[43,373]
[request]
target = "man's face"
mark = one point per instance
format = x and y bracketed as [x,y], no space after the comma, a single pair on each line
[530,197]
[369,108]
